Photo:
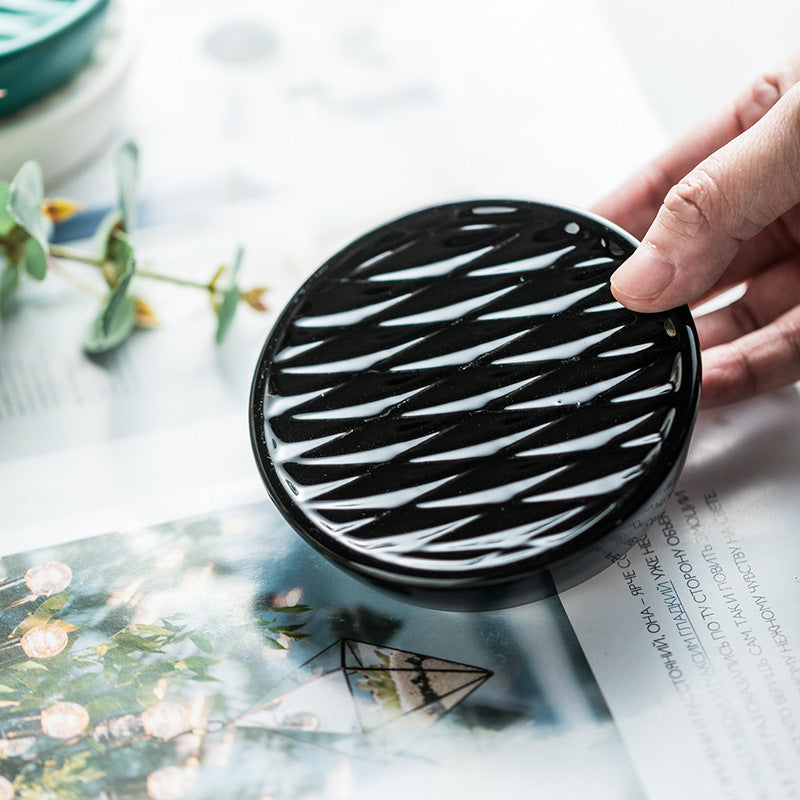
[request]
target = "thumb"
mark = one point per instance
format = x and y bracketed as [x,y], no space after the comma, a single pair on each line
[704,219]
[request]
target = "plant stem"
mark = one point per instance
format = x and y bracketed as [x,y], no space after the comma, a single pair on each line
[68,253]
[160,276]
[73,255]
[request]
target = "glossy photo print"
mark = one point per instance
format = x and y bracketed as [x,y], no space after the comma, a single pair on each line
[220,657]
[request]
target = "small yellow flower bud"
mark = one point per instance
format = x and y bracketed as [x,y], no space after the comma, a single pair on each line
[144,315]
[253,298]
[60,209]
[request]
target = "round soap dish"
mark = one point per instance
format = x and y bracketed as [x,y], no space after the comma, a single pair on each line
[455,407]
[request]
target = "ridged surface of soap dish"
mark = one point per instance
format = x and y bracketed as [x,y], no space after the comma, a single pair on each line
[455,407]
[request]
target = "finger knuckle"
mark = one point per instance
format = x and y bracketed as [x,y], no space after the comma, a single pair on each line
[789,332]
[760,97]
[694,202]
[746,376]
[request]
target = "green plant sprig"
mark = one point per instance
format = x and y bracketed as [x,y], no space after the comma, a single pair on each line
[25,225]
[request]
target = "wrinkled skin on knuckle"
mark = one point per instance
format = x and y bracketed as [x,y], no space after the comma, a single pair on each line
[757,100]
[765,91]
[692,204]
[782,179]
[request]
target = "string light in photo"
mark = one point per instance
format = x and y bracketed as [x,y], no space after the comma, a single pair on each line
[40,642]
[165,720]
[63,720]
[43,580]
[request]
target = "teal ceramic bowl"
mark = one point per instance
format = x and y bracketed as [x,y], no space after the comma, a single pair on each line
[44,43]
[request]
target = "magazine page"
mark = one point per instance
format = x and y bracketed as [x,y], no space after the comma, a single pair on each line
[694,636]
[219,656]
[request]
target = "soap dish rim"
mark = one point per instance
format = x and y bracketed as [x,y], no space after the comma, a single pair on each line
[431,582]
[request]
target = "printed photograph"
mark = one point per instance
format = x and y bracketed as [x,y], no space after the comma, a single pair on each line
[220,657]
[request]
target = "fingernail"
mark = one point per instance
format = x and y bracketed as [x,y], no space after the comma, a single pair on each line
[644,276]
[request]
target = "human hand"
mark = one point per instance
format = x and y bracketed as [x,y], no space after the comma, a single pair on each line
[719,209]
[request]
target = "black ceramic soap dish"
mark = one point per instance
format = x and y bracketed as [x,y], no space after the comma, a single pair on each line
[456,408]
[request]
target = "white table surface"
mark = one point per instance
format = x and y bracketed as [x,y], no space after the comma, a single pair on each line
[291,127]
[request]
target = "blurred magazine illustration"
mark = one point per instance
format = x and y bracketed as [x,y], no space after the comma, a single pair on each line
[219,657]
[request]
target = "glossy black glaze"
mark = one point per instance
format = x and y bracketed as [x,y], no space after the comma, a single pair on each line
[455,407]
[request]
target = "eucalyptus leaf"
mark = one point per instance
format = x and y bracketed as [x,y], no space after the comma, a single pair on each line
[116,321]
[9,281]
[230,300]
[120,250]
[124,253]
[7,222]
[35,259]
[112,247]
[25,196]
[127,163]
[108,227]
[100,338]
